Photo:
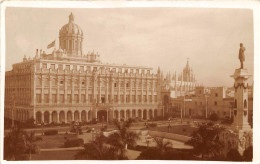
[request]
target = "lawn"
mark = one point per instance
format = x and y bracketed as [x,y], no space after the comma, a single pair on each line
[185,130]
[55,155]
[54,141]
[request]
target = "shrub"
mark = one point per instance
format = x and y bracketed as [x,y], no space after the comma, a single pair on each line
[51,132]
[214,117]
[38,138]
[104,128]
[152,125]
[74,142]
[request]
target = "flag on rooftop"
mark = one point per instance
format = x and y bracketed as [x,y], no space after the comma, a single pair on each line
[52,44]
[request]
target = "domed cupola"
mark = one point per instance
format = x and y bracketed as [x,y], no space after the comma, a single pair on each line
[71,38]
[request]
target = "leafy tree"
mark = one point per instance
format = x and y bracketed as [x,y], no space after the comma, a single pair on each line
[233,155]
[14,145]
[123,137]
[248,154]
[97,150]
[30,140]
[206,141]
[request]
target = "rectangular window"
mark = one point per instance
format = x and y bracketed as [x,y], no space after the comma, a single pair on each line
[133,98]
[38,98]
[76,98]
[139,98]
[90,98]
[46,98]
[115,98]
[61,98]
[60,67]
[44,65]
[127,98]
[144,97]
[69,98]
[67,67]
[155,98]
[216,94]
[52,66]
[121,98]
[54,98]
[150,98]
[216,103]
[81,68]
[83,98]
[115,85]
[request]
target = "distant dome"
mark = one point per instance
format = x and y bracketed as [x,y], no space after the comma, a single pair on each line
[71,38]
[71,27]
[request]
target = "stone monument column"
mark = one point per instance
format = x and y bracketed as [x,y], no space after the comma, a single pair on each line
[240,124]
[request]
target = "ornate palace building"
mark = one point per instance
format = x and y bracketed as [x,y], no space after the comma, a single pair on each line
[68,85]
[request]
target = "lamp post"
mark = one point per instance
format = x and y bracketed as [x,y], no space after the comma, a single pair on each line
[92,132]
[169,125]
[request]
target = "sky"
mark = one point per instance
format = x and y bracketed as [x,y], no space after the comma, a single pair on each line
[153,37]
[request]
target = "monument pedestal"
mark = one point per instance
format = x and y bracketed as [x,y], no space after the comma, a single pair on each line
[240,125]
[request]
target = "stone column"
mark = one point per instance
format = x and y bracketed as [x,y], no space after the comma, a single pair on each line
[87,115]
[130,94]
[153,91]
[142,115]
[65,117]
[124,114]
[80,116]
[119,115]
[50,90]
[86,91]
[131,113]
[118,92]
[72,115]
[107,81]
[112,90]
[42,89]
[42,116]
[72,89]
[65,89]
[99,90]
[58,93]
[124,91]
[58,117]
[50,117]
[147,92]
[142,88]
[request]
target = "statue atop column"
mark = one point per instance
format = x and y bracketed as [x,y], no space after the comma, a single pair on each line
[241,55]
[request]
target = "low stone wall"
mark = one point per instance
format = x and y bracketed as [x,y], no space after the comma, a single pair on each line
[171,136]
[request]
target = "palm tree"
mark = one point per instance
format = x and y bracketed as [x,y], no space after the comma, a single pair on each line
[122,137]
[97,150]
[14,145]
[206,141]
[161,145]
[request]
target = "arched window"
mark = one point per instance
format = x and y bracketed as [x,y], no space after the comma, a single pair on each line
[245,104]
[235,104]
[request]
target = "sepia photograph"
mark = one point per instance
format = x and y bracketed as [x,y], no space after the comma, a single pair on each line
[128,83]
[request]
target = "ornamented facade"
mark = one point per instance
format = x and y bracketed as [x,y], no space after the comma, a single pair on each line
[68,85]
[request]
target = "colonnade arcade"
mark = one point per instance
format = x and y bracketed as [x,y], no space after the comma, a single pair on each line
[88,115]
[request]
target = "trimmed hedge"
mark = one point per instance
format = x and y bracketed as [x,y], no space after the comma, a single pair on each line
[51,132]
[74,142]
